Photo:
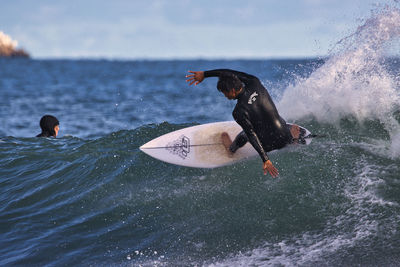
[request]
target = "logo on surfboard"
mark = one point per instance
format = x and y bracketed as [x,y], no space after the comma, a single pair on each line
[180,147]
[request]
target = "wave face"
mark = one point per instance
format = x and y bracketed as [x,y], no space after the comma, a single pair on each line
[103,202]
[91,197]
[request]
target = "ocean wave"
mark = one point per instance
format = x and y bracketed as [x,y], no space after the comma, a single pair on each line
[105,197]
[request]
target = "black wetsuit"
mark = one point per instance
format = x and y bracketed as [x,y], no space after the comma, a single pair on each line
[256,113]
[44,134]
[47,123]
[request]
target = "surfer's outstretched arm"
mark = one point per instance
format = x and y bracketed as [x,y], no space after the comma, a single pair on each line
[268,166]
[197,77]
[218,72]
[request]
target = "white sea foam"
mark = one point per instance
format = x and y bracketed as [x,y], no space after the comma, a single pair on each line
[353,81]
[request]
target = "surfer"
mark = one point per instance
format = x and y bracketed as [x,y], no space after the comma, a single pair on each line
[255,112]
[50,126]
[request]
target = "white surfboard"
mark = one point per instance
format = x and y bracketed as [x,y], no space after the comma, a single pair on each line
[200,146]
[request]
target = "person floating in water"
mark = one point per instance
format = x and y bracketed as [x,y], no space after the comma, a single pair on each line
[50,126]
[255,112]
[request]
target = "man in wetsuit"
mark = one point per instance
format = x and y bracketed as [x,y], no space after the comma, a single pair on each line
[255,112]
[49,125]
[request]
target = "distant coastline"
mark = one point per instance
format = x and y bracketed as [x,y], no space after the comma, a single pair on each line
[13,53]
[8,47]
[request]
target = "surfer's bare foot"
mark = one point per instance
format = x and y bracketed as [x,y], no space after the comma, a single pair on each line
[226,141]
[295,131]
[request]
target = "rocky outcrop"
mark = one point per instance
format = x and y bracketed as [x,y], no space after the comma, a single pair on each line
[8,47]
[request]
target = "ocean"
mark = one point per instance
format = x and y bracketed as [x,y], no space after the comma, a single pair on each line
[90,197]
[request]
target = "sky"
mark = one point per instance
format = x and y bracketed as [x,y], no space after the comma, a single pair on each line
[182,29]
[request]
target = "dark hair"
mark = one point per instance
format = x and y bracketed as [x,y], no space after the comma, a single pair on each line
[47,123]
[228,82]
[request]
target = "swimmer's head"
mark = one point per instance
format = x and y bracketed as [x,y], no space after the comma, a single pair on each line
[50,126]
[230,85]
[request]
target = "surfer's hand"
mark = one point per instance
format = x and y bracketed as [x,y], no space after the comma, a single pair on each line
[195,78]
[269,167]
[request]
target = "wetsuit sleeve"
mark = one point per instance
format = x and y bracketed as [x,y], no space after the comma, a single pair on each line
[253,138]
[217,73]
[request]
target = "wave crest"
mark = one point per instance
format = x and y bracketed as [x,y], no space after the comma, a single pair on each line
[354,80]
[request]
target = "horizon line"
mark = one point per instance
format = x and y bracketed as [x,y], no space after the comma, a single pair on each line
[105,58]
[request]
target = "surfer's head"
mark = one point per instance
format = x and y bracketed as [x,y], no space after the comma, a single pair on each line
[50,126]
[230,85]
